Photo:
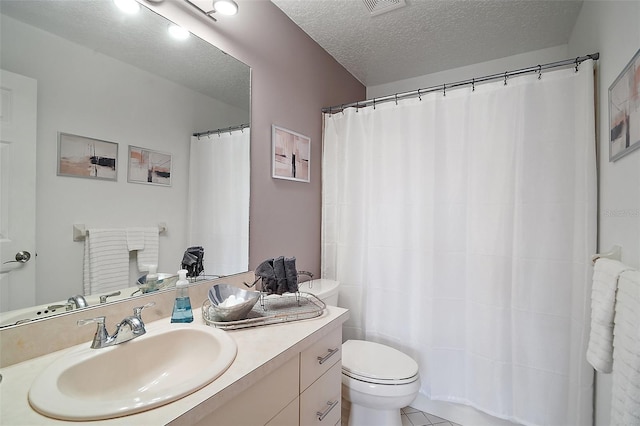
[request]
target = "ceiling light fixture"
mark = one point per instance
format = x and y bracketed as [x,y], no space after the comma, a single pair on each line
[129,7]
[225,7]
[178,32]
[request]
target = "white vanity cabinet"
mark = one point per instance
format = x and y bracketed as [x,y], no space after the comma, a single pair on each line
[304,391]
[283,375]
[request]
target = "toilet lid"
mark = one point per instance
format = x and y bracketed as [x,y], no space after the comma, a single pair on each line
[376,363]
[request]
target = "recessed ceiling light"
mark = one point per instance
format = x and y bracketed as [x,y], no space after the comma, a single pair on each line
[225,7]
[178,32]
[128,6]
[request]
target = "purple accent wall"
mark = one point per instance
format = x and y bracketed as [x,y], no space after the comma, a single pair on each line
[292,79]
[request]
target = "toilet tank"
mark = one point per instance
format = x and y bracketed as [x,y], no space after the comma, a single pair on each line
[324,289]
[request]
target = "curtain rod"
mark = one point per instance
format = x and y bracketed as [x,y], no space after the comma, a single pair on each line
[223,130]
[472,82]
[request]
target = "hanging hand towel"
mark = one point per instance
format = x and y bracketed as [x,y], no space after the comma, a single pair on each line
[603,296]
[106,261]
[625,393]
[149,254]
[625,390]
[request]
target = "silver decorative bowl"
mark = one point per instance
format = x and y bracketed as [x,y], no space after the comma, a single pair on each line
[164,281]
[220,292]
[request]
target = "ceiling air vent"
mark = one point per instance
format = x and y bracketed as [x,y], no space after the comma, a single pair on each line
[378,7]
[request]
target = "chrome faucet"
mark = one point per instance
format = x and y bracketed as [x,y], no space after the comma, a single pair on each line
[128,329]
[78,301]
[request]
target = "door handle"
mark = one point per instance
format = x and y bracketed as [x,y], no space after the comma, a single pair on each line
[21,257]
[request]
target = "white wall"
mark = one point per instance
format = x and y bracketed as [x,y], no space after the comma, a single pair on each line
[613,29]
[86,93]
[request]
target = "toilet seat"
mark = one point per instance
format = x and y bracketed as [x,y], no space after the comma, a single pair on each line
[374,363]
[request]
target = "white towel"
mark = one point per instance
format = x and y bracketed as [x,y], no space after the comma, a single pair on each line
[135,238]
[603,297]
[149,255]
[106,261]
[625,393]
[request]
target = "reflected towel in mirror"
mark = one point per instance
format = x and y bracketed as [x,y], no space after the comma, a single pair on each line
[148,254]
[106,260]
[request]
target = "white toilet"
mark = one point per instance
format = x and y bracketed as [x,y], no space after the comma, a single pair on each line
[378,381]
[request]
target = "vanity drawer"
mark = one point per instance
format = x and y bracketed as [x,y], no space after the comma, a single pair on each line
[321,403]
[320,357]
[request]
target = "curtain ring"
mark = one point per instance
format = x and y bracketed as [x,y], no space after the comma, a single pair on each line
[505,78]
[419,95]
[374,103]
[444,90]
[330,113]
[357,106]
[539,72]
[342,107]
[473,84]
[396,95]
[577,63]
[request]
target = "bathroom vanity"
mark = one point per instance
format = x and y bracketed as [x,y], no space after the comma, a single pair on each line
[284,374]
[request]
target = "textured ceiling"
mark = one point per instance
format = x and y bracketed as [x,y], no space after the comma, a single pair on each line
[428,36]
[140,40]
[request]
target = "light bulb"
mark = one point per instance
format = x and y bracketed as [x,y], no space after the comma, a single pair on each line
[128,6]
[225,7]
[178,32]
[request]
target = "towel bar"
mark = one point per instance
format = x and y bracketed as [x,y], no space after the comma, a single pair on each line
[615,253]
[80,231]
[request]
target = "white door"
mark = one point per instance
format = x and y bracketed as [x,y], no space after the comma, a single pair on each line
[17,191]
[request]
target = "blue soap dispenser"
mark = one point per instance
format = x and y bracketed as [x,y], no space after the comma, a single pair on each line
[182,307]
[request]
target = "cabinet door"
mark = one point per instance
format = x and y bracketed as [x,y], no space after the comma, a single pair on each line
[320,357]
[262,401]
[321,403]
[288,416]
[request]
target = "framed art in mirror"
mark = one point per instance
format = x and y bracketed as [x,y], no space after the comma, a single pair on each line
[624,111]
[80,156]
[149,166]
[290,155]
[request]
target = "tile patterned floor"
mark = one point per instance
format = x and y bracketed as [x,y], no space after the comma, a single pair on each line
[413,417]
[410,417]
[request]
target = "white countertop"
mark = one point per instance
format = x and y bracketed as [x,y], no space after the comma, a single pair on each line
[261,350]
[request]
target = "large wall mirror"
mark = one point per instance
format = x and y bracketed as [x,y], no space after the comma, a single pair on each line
[91,71]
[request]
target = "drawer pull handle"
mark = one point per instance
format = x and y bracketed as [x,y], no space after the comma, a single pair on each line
[323,359]
[321,415]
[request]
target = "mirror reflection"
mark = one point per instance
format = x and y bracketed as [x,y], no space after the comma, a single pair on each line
[121,83]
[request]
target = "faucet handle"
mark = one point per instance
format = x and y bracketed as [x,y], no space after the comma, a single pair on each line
[101,335]
[99,320]
[103,298]
[137,311]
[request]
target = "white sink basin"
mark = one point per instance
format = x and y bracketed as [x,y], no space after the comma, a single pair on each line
[159,367]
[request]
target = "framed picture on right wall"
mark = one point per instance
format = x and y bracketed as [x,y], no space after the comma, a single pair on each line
[624,111]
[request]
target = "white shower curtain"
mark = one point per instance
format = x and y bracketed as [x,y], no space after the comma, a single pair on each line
[461,227]
[219,200]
